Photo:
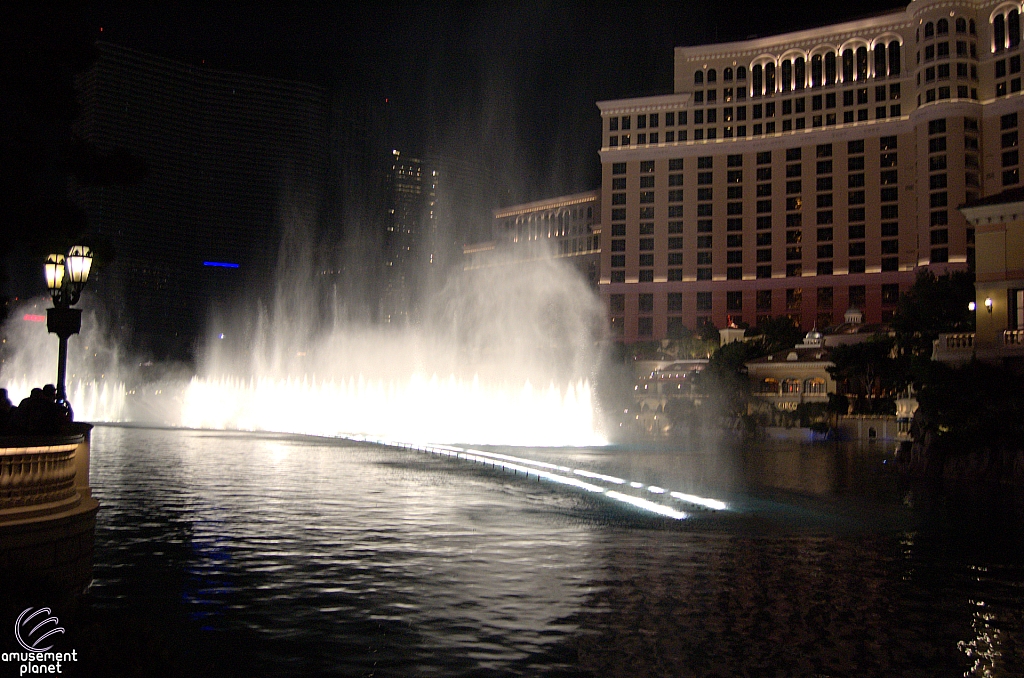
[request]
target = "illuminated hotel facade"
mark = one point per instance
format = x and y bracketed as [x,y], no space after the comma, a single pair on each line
[566,227]
[807,173]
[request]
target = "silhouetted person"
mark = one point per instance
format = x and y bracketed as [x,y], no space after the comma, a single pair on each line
[58,412]
[7,410]
[31,414]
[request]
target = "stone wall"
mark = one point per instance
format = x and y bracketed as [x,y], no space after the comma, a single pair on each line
[47,513]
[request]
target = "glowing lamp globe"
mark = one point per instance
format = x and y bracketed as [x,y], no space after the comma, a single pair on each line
[79,263]
[54,274]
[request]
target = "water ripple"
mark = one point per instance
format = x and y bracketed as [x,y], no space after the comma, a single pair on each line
[306,557]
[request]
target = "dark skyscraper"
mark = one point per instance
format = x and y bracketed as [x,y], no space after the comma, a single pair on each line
[354,219]
[410,233]
[434,205]
[228,157]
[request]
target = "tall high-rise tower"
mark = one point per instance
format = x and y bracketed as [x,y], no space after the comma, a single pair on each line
[410,236]
[228,156]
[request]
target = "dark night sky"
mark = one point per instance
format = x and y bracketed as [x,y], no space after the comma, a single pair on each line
[512,84]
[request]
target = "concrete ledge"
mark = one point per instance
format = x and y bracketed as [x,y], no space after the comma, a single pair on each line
[54,548]
[49,543]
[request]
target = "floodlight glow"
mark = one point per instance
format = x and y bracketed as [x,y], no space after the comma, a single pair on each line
[599,476]
[433,409]
[701,501]
[647,505]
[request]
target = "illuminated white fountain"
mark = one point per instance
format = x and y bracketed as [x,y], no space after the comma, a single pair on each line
[95,384]
[502,356]
[419,408]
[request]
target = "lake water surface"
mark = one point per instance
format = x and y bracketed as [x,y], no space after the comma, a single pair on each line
[242,554]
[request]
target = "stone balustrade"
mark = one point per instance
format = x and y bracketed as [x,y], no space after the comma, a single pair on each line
[959,340]
[961,347]
[38,474]
[956,348]
[47,512]
[1013,339]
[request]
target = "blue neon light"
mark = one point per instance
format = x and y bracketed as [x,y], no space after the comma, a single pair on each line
[221,264]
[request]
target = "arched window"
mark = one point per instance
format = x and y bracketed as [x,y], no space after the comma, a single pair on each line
[817,77]
[698,77]
[929,30]
[942,27]
[787,75]
[961,25]
[790,386]
[880,60]
[999,32]
[862,63]
[814,386]
[727,75]
[741,73]
[894,58]
[770,385]
[847,65]
[798,73]
[1013,27]
[712,76]
[830,68]
[769,78]
[972,27]
[756,80]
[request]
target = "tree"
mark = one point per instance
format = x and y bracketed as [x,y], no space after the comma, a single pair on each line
[723,383]
[870,368]
[777,334]
[707,331]
[934,305]
[973,407]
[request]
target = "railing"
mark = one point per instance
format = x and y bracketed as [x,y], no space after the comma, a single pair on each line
[1013,338]
[36,470]
[959,341]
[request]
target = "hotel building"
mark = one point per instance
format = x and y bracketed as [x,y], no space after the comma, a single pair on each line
[227,155]
[808,173]
[566,227]
[411,226]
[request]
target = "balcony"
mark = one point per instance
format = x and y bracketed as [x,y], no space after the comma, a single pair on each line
[47,513]
[960,348]
[39,475]
[956,348]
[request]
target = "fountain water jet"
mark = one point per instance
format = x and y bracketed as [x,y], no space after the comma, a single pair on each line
[96,375]
[504,355]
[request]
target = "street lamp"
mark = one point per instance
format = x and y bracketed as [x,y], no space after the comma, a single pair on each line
[66,275]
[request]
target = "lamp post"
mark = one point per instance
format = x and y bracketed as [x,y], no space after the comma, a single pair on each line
[66,275]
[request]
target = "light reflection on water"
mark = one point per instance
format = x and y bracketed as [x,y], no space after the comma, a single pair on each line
[329,559]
